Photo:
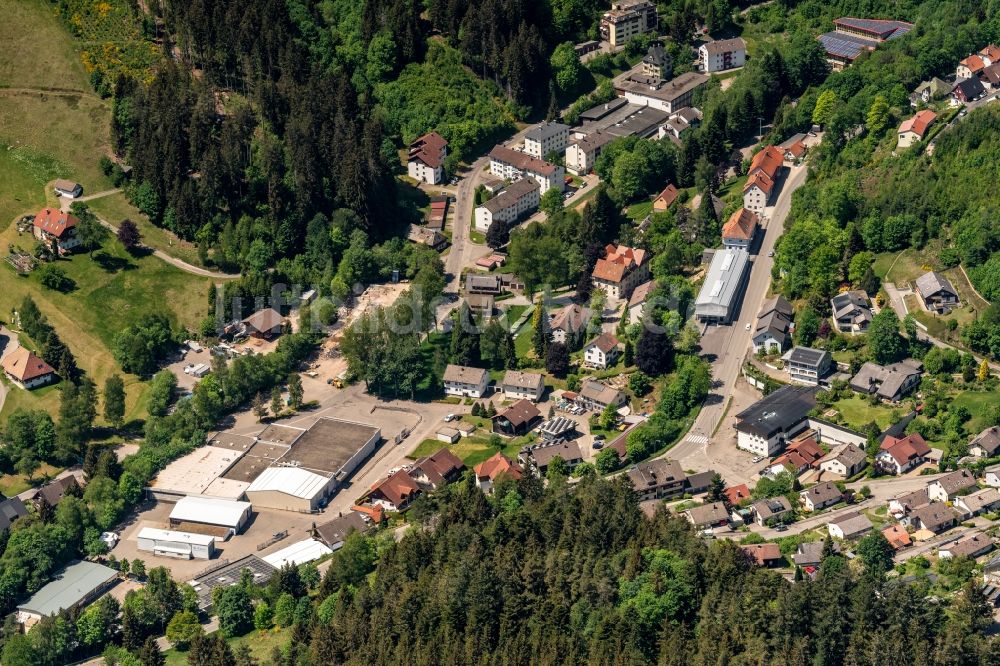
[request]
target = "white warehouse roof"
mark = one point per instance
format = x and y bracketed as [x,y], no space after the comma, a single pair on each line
[176,536]
[293,481]
[297,553]
[195,509]
[723,282]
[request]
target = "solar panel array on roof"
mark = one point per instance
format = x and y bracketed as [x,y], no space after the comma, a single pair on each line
[845,46]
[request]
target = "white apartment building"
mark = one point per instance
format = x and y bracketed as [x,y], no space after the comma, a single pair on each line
[514,202]
[510,164]
[546,139]
[722,54]
[628,19]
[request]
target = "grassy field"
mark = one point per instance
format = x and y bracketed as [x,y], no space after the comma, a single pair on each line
[638,212]
[902,267]
[261,644]
[978,403]
[471,450]
[116,207]
[27,24]
[857,412]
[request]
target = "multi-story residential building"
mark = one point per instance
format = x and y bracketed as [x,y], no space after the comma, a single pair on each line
[739,229]
[852,311]
[806,365]
[722,54]
[466,382]
[765,426]
[546,139]
[761,178]
[628,19]
[621,270]
[56,229]
[516,201]
[510,164]
[425,161]
[582,153]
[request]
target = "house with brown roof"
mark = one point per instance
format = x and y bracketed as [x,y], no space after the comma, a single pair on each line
[658,479]
[800,455]
[437,469]
[935,517]
[990,76]
[739,229]
[425,160]
[637,301]
[845,460]
[517,385]
[849,526]
[67,188]
[540,457]
[773,332]
[465,381]
[977,502]
[602,351]
[334,533]
[665,199]
[771,510]
[23,368]
[620,270]
[986,444]
[761,178]
[511,164]
[596,396]
[266,324]
[897,456]
[518,419]
[395,492]
[820,496]
[914,129]
[713,514]
[897,536]
[810,553]
[56,229]
[902,505]
[495,467]
[568,325]
[763,554]
[54,491]
[972,547]
[951,485]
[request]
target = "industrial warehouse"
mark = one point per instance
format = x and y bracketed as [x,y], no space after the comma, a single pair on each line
[282,467]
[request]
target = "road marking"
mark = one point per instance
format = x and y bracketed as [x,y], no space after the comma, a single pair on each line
[697,439]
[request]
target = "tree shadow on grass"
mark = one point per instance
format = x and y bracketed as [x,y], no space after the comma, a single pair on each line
[112,264]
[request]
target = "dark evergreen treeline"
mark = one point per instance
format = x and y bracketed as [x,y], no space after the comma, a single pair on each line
[574,575]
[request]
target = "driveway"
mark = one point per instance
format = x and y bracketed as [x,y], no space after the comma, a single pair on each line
[8,343]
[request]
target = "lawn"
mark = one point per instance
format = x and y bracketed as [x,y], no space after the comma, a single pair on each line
[638,212]
[978,403]
[902,267]
[13,484]
[27,24]
[472,450]
[261,644]
[857,412]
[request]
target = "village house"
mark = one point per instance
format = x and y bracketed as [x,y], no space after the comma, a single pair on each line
[801,455]
[967,90]
[699,482]
[54,491]
[889,382]
[481,305]
[680,123]
[897,456]
[541,456]
[569,324]
[771,511]
[264,324]
[986,444]
[973,546]
[26,370]
[423,236]
[845,460]
[510,164]
[334,533]
[581,154]
[494,468]
[761,178]
[850,526]
[465,381]
[515,202]
[602,351]
[737,494]
[56,229]
[739,229]
[545,139]
[596,396]
[620,270]
[806,365]
[722,54]
[395,492]
[763,554]
[914,129]
[773,323]
[436,470]
[930,90]
[951,485]
[991,476]
[658,479]
[794,147]
[975,503]
[935,517]
[810,553]
[904,504]
[67,188]
[897,536]
[518,385]
[820,496]
[425,160]
[852,311]
[970,66]
[665,199]
[11,509]
[765,426]
[637,301]
[707,516]
[990,76]
[518,419]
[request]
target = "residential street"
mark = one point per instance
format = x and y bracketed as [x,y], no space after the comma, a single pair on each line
[693,452]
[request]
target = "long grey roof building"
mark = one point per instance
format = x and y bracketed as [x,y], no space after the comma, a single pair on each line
[722,290]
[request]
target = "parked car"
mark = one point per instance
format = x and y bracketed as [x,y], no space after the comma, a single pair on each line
[109,538]
[450,418]
[757,459]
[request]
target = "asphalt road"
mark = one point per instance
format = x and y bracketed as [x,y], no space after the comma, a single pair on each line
[726,367]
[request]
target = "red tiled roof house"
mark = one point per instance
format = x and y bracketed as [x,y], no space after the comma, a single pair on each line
[56,229]
[27,370]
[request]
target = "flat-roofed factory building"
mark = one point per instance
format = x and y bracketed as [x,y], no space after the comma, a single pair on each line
[722,291]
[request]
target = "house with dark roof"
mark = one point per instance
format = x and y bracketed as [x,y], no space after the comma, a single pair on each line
[935,517]
[899,455]
[889,382]
[569,323]
[967,90]
[518,419]
[806,365]
[850,526]
[658,479]
[810,553]
[11,509]
[620,270]
[820,496]
[771,510]
[602,351]
[713,514]
[763,554]
[546,138]
[765,427]
[845,460]
[976,545]
[936,292]
[541,456]
[699,482]
[437,469]
[986,444]
[951,485]
[977,502]
[740,228]
[334,533]
[494,468]
[54,491]
[425,160]
[930,90]
[904,504]
[851,311]
[774,321]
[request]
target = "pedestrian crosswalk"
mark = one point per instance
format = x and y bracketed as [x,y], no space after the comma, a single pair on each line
[697,439]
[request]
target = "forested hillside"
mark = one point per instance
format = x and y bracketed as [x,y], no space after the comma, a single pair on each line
[578,575]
